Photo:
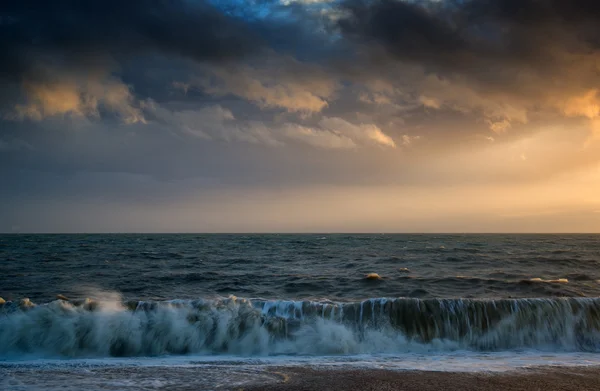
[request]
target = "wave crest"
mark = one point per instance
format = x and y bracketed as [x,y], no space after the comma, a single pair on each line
[77,328]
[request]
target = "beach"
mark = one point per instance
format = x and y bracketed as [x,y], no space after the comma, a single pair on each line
[235,377]
[545,378]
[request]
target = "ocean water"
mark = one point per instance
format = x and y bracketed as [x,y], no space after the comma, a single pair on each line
[135,309]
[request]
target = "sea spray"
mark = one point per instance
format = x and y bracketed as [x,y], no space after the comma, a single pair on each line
[237,326]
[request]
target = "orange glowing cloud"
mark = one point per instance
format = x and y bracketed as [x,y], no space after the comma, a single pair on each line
[79,98]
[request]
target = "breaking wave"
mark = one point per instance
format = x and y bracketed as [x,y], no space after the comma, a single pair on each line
[88,328]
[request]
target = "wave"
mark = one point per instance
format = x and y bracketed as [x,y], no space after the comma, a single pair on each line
[84,328]
[555,281]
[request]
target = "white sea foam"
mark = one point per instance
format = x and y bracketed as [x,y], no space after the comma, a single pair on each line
[457,361]
[236,326]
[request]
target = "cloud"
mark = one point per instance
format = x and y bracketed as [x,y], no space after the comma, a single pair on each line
[68,57]
[80,98]
[510,37]
[409,140]
[431,103]
[499,126]
[364,133]
[206,122]
[280,94]
[586,105]
[73,33]
[217,123]
[213,123]
[318,137]
[499,110]
[336,133]
[279,83]
[288,2]
[486,59]
[505,58]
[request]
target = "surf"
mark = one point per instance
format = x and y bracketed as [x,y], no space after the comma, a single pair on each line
[247,327]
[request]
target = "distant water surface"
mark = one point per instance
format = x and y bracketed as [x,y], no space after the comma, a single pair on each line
[163,267]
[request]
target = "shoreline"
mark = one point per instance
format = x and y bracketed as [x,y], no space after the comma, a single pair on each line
[232,376]
[554,378]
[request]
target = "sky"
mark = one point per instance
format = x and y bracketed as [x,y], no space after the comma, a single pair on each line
[300,116]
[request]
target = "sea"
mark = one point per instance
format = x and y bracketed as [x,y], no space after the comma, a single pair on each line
[216,311]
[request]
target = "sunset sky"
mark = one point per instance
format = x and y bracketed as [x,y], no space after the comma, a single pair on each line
[300,115]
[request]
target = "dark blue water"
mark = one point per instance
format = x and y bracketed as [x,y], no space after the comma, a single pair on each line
[296,295]
[299,266]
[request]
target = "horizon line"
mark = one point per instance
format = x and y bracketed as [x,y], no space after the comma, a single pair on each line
[297,233]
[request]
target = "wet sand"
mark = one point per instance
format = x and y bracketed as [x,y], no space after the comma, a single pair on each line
[233,376]
[539,379]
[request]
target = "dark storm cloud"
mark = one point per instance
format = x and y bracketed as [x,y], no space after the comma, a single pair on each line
[483,39]
[407,29]
[78,33]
